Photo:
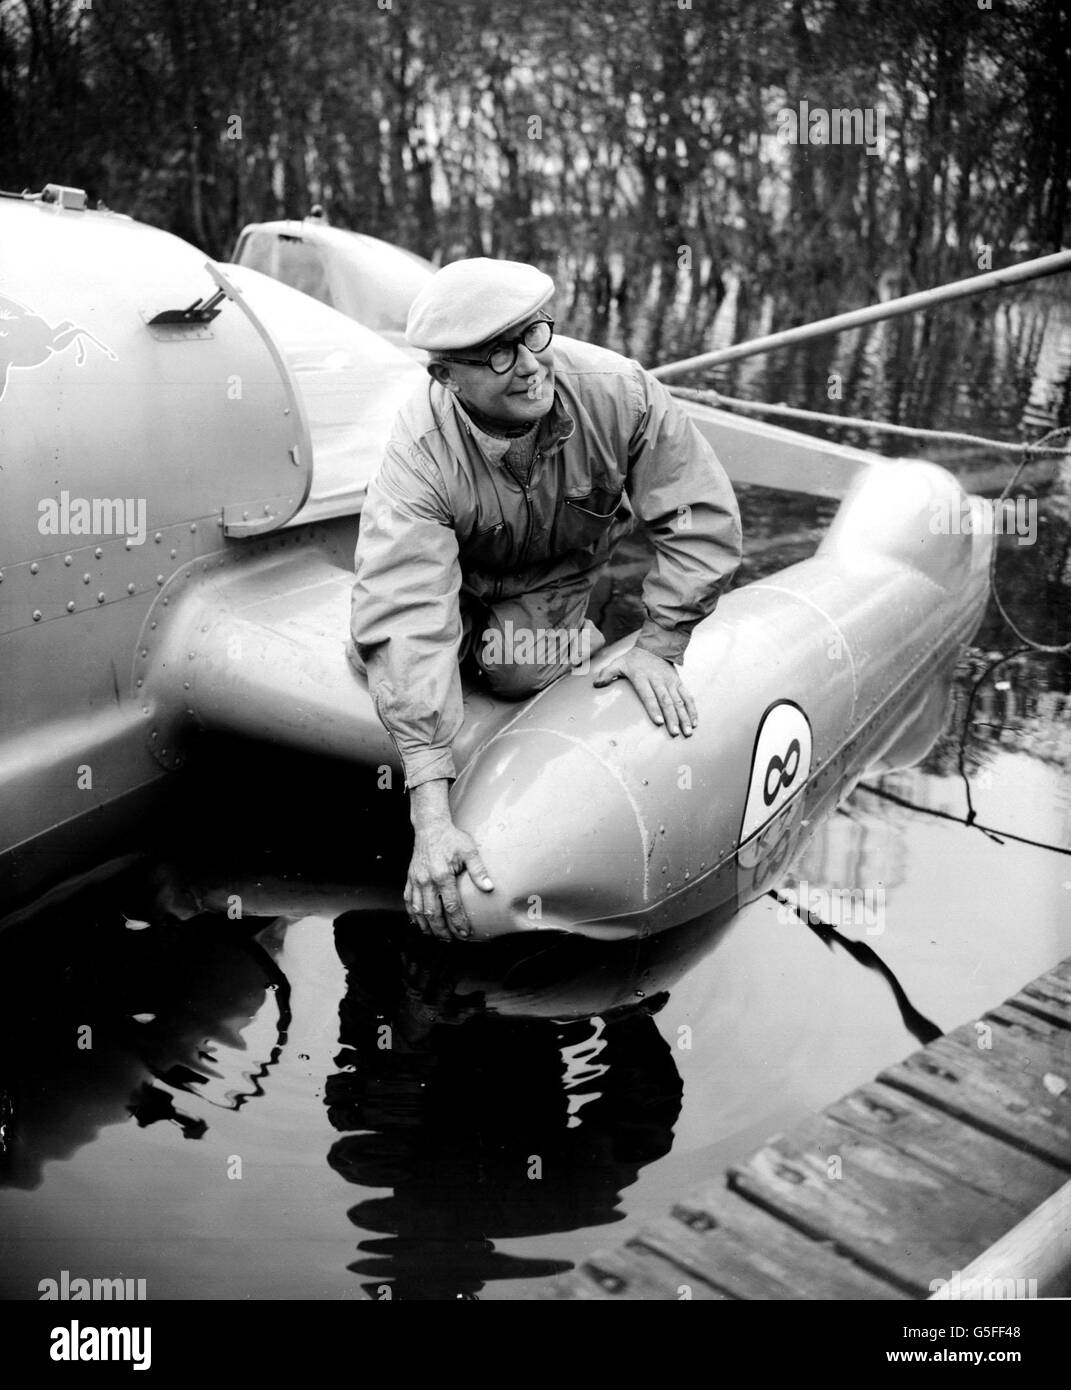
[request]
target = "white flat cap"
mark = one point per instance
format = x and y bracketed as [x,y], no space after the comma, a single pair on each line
[469,301]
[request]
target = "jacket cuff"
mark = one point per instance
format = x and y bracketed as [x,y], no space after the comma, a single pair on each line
[427,765]
[668,643]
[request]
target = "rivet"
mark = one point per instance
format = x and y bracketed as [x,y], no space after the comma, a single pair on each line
[185,685]
[70,605]
[66,559]
[34,567]
[159,579]
[152,625]
[158,537]
[189,574]
[192,656]
[98,552]
[130,588]
[166,602]
[100,597]
[139,682]
[193,525]
[85,578]
[267,510]
[37,615]
[130,545]
[145,651]
[173,554]
[245,516]
[1,576]
[145,709]
[154,734]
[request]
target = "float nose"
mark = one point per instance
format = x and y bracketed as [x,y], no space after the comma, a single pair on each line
[561,834]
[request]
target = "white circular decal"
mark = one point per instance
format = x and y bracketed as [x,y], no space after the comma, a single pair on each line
[780,765]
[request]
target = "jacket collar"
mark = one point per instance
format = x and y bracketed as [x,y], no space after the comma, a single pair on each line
[554,429]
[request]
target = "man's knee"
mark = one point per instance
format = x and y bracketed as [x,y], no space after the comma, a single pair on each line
[517,680]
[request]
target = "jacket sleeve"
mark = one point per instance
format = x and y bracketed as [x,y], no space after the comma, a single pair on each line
[405,617]
[683,497]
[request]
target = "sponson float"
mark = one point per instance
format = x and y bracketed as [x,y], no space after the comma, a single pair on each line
[234,423]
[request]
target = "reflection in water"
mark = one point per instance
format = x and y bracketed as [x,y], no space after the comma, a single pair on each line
[105,1017]
[993,365]
[920,1028]
[490,1099]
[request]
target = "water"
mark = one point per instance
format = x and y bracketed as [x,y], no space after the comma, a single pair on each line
[306,1103]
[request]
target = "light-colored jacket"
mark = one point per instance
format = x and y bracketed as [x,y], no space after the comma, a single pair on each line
[443,517]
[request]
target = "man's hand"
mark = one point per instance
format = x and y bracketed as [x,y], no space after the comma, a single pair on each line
[440,852]
[658,684]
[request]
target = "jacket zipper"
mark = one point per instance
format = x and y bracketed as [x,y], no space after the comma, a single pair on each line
[527,506]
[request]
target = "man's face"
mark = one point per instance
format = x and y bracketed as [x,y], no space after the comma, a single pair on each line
[521,396]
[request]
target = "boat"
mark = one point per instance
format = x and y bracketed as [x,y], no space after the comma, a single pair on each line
[363,277]
[192,443]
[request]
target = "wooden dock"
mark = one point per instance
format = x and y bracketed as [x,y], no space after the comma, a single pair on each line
[902,1183]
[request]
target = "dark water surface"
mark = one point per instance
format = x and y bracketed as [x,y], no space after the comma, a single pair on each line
[307,1102]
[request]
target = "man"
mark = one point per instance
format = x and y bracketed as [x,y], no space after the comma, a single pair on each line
[507,481]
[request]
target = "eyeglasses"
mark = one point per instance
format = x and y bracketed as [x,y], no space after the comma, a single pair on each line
[502,357]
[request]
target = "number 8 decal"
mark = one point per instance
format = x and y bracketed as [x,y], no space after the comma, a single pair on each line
[780,764]
[785,776]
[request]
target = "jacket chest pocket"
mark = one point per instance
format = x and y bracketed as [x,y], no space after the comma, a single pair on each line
[583,520]
[487,550]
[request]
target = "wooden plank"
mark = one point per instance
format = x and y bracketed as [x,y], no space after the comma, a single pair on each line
[572,1287]
[1011,1102]
[1033,1259]
[1049,996]
[896,1216]
[719,1237]
[1031,1030]
[632,1273]
[934,1138]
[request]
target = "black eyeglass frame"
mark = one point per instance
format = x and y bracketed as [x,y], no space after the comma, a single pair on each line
[500,343]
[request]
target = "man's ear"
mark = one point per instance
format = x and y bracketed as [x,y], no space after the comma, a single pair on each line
[440,372]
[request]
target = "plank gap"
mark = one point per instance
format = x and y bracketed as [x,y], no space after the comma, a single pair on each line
[820,1237]
[964,1116]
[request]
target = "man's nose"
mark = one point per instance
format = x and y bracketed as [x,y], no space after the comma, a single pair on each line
[527,362]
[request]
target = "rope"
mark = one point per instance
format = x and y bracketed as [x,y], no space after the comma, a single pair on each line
[1028,641]
[715,398]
